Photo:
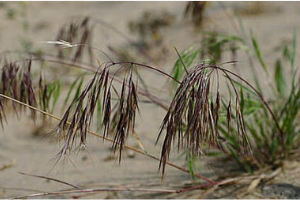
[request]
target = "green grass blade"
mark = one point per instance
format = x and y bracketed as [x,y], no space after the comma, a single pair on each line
[71,89]
[181,60]
[293,58]
[242,100]
[258,53]
[56,93]
[253,132]
[190,162]
[183,63]
[279,79]
[262,130]
[78,90]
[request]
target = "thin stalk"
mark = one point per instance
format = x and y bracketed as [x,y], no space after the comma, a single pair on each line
[185,68]
[51,179]
[107,139]
[146,66]
[94,190]
[117,189]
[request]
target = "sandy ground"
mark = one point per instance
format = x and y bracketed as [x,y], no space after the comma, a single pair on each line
[22,151]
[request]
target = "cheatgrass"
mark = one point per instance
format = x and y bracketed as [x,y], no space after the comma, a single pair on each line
[237,120]
[271,124]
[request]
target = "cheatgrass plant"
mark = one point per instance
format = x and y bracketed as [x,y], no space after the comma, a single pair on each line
[97,95]
[194,114]
[237,120]
[271,124]
[196,106]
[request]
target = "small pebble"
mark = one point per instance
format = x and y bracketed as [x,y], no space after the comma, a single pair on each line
[131,154]
[110,157]
[84,158]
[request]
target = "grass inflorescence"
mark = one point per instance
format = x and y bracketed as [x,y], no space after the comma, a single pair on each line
[195,110]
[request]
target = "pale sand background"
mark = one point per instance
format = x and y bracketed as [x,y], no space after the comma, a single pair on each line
[29,154]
